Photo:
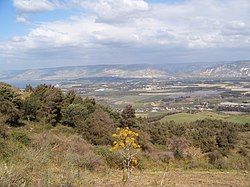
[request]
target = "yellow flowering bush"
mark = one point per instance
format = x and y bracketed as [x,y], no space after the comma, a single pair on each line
[125,143]
[125,139]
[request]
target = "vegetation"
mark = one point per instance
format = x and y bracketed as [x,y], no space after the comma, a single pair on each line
[188,117]
[50,138]
[126,145]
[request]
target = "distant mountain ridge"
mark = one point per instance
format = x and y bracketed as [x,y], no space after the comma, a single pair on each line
[228,70]
[220,70]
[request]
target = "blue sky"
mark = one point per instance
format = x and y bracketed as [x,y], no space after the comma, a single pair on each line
[49,33]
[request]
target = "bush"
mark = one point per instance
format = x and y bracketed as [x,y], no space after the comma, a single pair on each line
[178,146]
[91,161]
[88,161]
[154,160]
[112,159]
[235,162]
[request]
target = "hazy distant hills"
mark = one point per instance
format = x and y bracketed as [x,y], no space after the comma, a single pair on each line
[240,69]
[223,69]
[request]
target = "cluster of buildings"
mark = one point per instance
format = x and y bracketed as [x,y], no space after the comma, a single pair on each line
[230,106]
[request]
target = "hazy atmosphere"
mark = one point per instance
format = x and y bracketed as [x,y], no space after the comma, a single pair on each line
[51,33]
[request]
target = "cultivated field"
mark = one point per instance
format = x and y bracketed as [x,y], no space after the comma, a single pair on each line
[186,117]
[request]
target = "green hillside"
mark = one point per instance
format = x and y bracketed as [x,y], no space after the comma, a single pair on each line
[186,117]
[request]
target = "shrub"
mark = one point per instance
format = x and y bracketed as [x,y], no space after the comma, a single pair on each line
[178,146]
[91,161]
[154,160]
[112,159]
[88,161]
[78,145]
[236,162]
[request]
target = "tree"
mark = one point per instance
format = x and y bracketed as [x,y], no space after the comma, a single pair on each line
[29,108]
[71,98]
[125,143]
[48,103]
[90,104]
[28,88]
[128,116]
[97,128]
[128,112]
[10,94]
[74,114]
[204,137]
[52,106]
[226,140]
[10,111]
[10,104]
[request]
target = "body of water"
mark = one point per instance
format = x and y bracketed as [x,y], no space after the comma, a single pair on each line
[22,83]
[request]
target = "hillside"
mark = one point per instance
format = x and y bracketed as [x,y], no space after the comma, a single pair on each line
[226,70]
[50,138]
[185,117]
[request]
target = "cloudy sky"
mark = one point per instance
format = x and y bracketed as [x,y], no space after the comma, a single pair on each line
[50,33]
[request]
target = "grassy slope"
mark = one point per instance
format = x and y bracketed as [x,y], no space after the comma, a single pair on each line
[185,117]
[56,156]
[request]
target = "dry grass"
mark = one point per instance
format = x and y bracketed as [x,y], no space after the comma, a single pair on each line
[175,178]
[60,158]
[70,177]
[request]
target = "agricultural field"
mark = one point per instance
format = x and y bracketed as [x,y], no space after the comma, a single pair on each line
[186,117]
[137,100]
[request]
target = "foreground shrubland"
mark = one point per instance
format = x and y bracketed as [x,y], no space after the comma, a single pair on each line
[48,138]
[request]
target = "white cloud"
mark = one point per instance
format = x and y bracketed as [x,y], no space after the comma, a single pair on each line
[21,19]
[236,28]
[25,7]
[33,5]
[117,9]
[135,25]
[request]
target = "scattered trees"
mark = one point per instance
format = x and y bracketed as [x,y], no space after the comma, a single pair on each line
[95,123]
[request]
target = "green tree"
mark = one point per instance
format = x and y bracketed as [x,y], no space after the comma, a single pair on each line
[47,101]
[71,98]
[128,117]
[52,104]
[97,128]
[10,104]
[30,108]
[74,114]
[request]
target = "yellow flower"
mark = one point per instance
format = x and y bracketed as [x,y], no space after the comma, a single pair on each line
[125,138]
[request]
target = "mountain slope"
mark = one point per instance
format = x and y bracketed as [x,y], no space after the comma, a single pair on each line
[228,70]
[233,69]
